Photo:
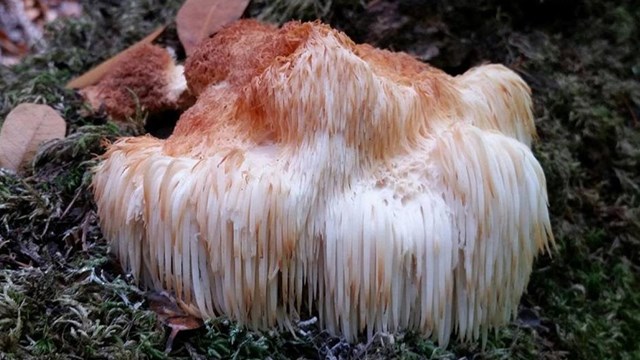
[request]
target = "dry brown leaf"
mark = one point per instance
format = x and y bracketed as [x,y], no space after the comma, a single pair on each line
[24,129]
[163,305]
[94,75]
[198,19]
[171,315]
[179,323]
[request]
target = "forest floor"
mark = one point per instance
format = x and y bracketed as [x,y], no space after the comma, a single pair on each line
[62,295]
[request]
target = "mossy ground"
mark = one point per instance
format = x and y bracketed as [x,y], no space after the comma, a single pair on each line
[62,296]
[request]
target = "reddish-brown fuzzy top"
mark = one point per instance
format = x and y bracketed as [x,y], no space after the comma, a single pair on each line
[141,74]
[241,52]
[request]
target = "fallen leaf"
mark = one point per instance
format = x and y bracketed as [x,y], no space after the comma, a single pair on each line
[198,19]
[177,324]
[8,46]
[24,129]
[163,305]
[170,314]
[94,75]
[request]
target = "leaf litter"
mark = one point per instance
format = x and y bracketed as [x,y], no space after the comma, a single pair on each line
[26,127]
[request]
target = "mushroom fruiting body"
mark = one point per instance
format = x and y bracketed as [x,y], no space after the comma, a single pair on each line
[145,77]
[314,173]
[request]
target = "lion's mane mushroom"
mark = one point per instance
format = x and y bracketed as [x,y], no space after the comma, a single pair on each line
[314,173]
[146,77]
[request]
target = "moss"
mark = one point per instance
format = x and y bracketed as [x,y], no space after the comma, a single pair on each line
[283,10]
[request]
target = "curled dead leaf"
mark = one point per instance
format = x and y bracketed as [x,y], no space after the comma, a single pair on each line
[178,324]
[163,305]
[24,129]
[171,315]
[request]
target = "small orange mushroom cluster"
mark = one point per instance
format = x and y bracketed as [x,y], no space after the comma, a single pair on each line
[316,173]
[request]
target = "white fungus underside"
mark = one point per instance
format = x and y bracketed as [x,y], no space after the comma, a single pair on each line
[219,240]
